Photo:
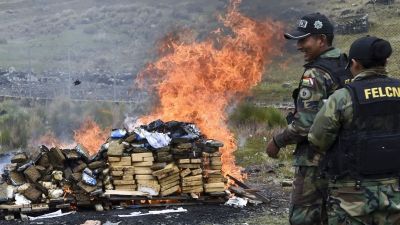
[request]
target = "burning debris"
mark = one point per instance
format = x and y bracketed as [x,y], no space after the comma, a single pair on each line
[158,161]
[161,159]
[171,162]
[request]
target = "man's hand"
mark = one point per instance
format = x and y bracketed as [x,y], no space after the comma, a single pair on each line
[272,149]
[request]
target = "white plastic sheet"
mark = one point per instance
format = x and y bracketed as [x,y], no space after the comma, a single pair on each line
[157,212]
[236,202]
[148,190]
[155,139]
[58,213]
[130,123]
[21,200]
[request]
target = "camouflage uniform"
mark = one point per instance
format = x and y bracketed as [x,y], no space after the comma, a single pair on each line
[374,201]
[307,201]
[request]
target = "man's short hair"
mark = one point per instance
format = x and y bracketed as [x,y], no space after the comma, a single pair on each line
[329,38]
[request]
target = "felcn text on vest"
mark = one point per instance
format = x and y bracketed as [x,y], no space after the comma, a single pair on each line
[382,92]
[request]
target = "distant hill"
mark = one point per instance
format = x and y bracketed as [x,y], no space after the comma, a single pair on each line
[80,35]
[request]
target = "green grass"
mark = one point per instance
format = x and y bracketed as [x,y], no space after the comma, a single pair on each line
[252,153]
[21,124]
[271,92]
[247,113]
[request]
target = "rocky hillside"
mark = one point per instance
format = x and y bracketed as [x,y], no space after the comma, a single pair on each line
[79,35]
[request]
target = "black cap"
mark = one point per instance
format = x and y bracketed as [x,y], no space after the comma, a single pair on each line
[315,23]
[368,49]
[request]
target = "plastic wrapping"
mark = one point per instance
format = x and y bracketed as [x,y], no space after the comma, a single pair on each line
[118,133]
[89,180]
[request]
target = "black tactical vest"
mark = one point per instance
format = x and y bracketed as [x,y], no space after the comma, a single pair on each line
[370,148]
[336,67]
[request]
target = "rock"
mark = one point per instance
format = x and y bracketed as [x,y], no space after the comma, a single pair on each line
[32,174]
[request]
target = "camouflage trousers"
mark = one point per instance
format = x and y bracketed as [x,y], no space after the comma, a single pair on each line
[308,197]
[371,204]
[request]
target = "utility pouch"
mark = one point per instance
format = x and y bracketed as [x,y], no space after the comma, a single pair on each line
[379,155]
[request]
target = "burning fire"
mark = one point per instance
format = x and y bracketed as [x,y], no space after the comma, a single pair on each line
[91,136]
[49,139]
[197,81]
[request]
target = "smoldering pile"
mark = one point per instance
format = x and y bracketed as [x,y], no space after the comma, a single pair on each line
[155,160]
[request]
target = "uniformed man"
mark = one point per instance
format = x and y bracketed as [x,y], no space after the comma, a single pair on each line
[323,74]
[358,132]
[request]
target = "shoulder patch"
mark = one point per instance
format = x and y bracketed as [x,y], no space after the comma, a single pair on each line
[305,93]
[308,82]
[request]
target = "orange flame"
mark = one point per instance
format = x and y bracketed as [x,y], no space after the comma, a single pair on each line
[91,136]
[197,81]
[50,140]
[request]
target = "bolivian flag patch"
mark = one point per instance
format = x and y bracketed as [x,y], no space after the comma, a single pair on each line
[308,82]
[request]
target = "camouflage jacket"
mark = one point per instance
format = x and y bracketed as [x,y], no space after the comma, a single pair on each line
[337,113]
[315,86]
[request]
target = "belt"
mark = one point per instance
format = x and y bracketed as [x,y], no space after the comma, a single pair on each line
[363,183]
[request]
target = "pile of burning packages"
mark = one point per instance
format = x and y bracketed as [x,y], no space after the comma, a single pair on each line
[161,159]
[158,159]
[53,176]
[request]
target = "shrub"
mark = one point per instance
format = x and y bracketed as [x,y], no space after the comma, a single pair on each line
[14,129]
[247,113]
